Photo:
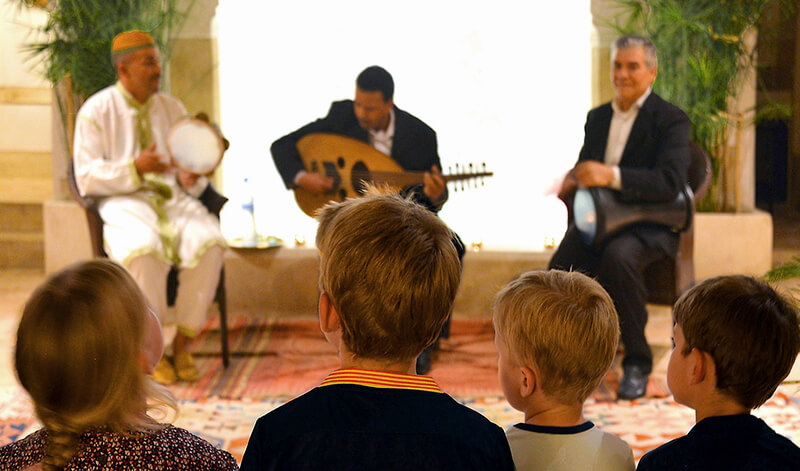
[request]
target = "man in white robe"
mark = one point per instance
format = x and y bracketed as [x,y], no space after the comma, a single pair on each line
[152,217]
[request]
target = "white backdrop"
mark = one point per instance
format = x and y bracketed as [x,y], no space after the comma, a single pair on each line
[507,83]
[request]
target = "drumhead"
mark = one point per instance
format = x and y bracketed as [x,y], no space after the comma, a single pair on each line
[195,146]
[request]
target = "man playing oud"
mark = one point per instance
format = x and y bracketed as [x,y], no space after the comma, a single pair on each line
[372,118]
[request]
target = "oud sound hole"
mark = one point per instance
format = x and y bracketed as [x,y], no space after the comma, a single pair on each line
[359,177]
[342,194]
[340,162]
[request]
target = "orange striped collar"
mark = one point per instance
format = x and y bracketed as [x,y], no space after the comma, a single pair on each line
[381,379]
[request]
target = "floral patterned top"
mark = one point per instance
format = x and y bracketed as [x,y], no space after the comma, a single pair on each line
[170,448]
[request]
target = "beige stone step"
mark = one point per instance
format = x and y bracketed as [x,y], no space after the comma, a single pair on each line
[21,250]
[26,165]
[18,217]
[26,127]
[25,190]
[25,177]
[21,236]
[25,96]
[284,280]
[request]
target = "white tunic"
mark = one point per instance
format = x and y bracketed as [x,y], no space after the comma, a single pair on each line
[137,220]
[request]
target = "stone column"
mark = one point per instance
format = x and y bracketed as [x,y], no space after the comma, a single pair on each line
[193,76]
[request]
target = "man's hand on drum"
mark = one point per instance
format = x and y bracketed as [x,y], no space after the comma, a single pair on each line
[316,183]
[591,173]
[434,183]
[187,179]
[151,161]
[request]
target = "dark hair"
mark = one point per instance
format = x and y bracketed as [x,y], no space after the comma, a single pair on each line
[376,79]
[749,329]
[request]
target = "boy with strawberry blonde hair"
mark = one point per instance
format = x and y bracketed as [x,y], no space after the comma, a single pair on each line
[389,273]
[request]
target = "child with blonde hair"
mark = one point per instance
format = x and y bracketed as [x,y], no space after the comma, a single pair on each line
[556,334]
[85,345]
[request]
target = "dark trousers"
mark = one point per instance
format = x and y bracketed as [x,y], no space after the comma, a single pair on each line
[618,266]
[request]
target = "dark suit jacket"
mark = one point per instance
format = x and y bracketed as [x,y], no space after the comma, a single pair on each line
[655,161]
[414,145]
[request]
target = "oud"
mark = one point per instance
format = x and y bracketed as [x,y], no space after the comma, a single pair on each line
[352,164]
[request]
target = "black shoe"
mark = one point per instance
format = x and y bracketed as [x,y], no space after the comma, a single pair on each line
[633,384]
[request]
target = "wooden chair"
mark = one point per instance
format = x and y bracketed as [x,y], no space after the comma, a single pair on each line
[668,278]
[210,198]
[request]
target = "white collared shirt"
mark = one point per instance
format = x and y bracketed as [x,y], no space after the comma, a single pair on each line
[381,140]
[618,133]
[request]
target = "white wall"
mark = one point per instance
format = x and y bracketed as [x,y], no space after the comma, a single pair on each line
[506,83]
[25,127]
[16,30]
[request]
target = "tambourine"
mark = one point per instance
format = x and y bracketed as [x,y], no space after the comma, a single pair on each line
[195,146]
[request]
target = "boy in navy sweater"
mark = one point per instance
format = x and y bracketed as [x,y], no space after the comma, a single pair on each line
[388,277]
[735,340]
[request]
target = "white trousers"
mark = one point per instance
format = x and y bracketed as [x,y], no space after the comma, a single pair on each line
[196,289]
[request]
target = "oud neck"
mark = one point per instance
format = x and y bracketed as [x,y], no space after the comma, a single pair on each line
[403,179]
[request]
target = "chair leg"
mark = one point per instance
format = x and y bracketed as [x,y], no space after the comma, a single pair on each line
[223,318]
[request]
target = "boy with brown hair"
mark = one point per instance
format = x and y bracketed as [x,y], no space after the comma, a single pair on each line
[735,339]
[388,276]
[556,334]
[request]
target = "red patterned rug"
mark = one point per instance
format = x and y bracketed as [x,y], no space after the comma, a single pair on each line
[294,357]
[286,357]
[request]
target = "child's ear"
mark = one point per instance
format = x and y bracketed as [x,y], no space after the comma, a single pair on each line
[699,366]
[529,381]
[328,317]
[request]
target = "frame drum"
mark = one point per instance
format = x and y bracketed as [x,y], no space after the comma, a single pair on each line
[195,146]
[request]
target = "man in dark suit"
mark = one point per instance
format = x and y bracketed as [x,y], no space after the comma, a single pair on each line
[639,145]
[373,119]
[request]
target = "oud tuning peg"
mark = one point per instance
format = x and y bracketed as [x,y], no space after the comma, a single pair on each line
[470,167]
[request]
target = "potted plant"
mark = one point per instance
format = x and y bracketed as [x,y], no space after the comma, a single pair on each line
[706,45]
[77,58]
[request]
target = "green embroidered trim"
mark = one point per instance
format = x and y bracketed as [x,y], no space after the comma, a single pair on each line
[91,121]
[137,180]
[191,333]
[130,49]
[144,132]
[212,242]
[143,251]
[168,237]
[155,183]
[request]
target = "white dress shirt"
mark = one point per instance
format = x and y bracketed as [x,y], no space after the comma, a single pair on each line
[381,140]
[618,133]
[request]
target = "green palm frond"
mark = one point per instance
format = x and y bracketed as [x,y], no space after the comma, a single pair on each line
[80,34]
[788,270]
